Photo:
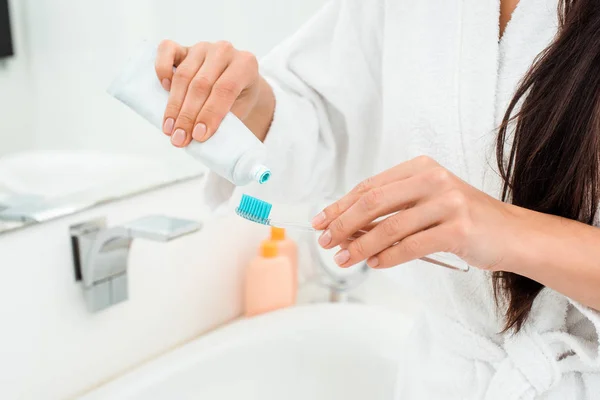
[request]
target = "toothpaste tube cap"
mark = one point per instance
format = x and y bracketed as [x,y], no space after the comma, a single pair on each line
[261,174]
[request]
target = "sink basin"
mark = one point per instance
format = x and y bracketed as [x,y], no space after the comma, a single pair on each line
[326,351]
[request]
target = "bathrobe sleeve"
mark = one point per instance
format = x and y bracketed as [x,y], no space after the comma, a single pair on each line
[327,84]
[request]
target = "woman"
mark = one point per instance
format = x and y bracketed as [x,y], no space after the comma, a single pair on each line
[433,93]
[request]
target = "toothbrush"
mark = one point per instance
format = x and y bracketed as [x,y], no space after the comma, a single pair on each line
[259,211]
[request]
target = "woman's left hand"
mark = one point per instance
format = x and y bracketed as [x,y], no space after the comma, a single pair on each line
[427,209]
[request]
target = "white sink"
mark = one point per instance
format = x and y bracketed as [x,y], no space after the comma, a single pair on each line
[326,351]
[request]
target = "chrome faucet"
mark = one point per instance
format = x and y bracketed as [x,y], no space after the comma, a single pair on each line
[100,254]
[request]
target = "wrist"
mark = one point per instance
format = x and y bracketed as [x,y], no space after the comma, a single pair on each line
[260,117]
[524,242]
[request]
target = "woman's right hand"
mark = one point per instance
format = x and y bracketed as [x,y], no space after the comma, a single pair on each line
[210,80]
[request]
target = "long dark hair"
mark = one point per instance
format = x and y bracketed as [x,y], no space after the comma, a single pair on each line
[553,164]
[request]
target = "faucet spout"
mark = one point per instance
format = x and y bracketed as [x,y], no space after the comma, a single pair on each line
[100,254]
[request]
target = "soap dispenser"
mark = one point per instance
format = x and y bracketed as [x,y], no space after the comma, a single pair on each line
[269,283]
[286,247]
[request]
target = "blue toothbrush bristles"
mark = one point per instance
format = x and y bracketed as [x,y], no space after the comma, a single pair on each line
[254,209]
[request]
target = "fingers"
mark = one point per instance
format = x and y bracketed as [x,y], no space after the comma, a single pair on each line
[413,247]
[200,87]
[392,230]
[402,171]
[169,55]
[181,80]
[364,230]
[345,244]
[223,95]
[210,80]
[375,203]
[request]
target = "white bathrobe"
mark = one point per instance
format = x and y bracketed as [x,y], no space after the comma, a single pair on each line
[367,84]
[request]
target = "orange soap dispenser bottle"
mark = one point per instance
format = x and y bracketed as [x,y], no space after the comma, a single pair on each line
[287,248]
[269,281]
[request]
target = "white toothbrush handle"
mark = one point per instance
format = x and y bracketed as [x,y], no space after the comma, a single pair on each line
[307,228]
[292,225]
[447,260]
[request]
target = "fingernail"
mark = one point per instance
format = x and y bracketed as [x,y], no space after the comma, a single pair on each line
[168,126]
[373,262]
[199,131]
[166,84]
[342,257]
[325,238]
[319,219]
[178,138]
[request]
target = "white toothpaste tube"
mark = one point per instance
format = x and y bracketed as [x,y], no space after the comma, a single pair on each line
[232,152]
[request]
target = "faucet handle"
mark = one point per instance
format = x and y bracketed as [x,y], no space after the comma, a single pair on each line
[161,228]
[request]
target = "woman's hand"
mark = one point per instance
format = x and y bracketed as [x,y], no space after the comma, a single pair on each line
[427,209]
[210,80]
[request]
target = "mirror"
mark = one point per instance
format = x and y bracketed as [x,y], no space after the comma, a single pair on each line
[65,144]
